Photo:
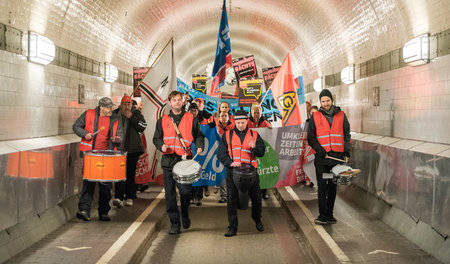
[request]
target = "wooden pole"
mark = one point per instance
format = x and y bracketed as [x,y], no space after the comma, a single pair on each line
[153,64]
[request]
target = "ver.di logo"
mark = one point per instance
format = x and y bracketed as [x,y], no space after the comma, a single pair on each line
[287,102]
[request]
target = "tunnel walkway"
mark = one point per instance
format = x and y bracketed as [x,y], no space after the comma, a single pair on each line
[138,234]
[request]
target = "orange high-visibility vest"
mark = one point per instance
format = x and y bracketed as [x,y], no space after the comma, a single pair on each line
[252,124]
[170,137]
[331,139]
[206,121]
[241,152]
[89,127]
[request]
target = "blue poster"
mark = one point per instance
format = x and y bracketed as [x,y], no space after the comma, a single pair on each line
[213,171]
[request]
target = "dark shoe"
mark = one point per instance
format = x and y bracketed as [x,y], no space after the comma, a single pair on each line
[260,226]
[231,232]
[331,220]
[174,230]
[199,202]
[223,200]
[143,188]
[321,221]
[105,217]
[186,223]
[265,196]
[83,215]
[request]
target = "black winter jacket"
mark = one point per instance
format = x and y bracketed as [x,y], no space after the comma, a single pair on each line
[131,139]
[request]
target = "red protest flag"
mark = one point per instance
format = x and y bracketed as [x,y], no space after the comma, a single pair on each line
[285,94]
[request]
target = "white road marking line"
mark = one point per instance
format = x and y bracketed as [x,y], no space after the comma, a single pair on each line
[325,236]
[73,249]
[382,251]
[112,251]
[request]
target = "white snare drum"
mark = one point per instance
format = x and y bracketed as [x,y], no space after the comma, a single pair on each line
[187,171]
[343,174]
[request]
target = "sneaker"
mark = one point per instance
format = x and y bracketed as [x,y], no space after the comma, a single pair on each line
[143,188]
[321,221]
[186,223]
[83,215]
[174,230]
[216,190]
[231,232]
[105,217]
[223,200]
[260,226]
[265,196]
[331,220]
[129,202]
[117,203]
[192,201]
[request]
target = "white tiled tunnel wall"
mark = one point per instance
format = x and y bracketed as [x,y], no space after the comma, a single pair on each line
[39,101]
[414,102]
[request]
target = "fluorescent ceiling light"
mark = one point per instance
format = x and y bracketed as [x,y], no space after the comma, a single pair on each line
[41,49]
[111,73]
[348,74]
[318,84]
[417,50]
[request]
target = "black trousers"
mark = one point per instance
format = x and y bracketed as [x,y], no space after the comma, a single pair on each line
[232,201]
[185,191]
[127,189]
[326,191]
[87,196]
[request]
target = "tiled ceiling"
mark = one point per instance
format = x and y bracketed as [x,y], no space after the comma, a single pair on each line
[322,36]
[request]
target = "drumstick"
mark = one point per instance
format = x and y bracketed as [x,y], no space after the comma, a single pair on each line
[96,132]
[195,155]
[333,158]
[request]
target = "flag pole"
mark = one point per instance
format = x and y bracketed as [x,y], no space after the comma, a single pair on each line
[153,64]
[262,100]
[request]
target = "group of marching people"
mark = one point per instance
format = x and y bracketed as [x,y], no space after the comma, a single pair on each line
[328,135]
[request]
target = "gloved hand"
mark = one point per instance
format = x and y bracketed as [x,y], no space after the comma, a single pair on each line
[321,153]
[212,125]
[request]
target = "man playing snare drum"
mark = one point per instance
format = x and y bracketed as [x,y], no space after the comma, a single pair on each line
[173,147]
[329,136]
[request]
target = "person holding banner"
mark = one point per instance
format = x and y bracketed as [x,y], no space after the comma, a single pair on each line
[238,146]
[225,107]
[329,136]
[173,136]
[203,116]
[256,119]
[223,123]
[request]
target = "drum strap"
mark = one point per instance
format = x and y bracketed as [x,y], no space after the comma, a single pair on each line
[179,135]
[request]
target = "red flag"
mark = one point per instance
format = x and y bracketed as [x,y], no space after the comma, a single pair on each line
[285,94]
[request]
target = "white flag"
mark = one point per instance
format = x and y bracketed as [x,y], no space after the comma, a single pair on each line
[155,88]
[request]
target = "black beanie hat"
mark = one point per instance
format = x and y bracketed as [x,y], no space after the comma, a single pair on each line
[326,92]
[192,106]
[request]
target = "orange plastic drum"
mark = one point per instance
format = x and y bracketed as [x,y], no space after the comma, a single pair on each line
[104,165]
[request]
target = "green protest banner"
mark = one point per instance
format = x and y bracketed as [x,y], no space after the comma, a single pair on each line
[268,167]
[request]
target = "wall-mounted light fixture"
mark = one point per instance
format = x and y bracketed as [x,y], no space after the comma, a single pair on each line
[40,49]
[318,84]
[111,73]
[417,50]
[348,74]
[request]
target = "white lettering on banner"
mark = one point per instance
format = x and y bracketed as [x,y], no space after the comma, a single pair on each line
[142,166]
[225,33]
[290,152]
[291,135]
[268,170]
[208,176]
[290,144]
[211,155]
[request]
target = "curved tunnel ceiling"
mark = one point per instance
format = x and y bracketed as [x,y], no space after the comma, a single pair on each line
[322,36]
